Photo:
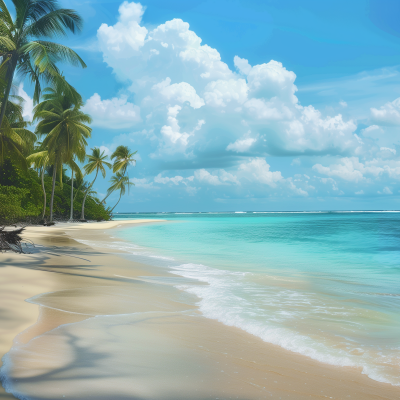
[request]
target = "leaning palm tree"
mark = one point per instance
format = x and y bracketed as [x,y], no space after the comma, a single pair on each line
[64,126]
[23,49]
[97,162]
[123,158]
[121,183]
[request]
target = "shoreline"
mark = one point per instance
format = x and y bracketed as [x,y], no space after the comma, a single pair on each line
[252,367]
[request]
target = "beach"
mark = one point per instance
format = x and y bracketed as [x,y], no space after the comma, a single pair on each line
[87,300]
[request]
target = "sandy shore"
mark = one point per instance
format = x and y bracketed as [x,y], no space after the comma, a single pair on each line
[173,352]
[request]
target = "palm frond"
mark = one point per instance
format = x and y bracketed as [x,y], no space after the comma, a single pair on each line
[55,23]
[6,44]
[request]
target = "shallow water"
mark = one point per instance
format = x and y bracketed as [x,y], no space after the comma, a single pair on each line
[326,285]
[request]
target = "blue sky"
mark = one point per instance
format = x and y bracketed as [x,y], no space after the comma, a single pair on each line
[245,105]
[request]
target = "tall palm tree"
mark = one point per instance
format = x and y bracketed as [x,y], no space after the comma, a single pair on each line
[97,162]
[22,46]
[40,160]
[123,158]
[64,126]
[74,170]
[121,183]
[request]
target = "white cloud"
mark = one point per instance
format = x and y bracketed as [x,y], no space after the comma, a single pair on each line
[386,190]
[203,58]
[295,189]
[351,169]
[388,114]
[220,93]
[174,139]
[106,150]
[388,149]
[116,113]
[203,175]
[359,192]
[191,190]
[262,97]
[347,170]
[242,65]
[372,128]
[179,92]
[296,161]
[272,80]
[221,177]
[126,36]
[27,105]
[227,177]
[176,180]
[343,103]
[171,132]
[257,169]
[143,183]
[241,145]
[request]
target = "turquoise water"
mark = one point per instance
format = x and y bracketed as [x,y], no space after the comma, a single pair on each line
[326,285]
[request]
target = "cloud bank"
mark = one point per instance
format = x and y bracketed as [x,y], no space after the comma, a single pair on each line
[209,125]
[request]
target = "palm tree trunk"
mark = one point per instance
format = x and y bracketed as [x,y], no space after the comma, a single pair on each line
[71,216]
[103,201]
[13,61]
[44,193]
[84,199]
[120,195]
[52,190]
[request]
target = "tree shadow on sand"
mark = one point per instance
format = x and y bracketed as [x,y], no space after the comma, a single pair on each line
[87,358]
[80,263]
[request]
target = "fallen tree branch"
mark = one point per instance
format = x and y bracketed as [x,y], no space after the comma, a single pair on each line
[11,240]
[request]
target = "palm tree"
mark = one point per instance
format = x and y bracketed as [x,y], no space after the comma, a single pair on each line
[123,158]
[96,163]
[119,182]
[74,169]
[64,125]
[40,160]
[22,47]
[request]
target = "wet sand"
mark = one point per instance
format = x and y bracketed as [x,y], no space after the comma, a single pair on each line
[173,352]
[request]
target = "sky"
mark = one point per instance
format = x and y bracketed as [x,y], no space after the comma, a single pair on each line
[244,105]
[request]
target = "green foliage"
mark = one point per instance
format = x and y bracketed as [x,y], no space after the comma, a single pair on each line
[32,201]
[15,205]
[62,203]
[21,197]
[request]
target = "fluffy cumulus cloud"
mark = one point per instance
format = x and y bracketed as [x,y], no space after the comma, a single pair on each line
[221,177]
[241,145]
[170,66]
[178,93]
[115,113]
[214,126]
[258,170]
[388,114]
[351,169]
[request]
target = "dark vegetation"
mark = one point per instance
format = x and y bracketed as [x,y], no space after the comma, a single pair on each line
[21,198]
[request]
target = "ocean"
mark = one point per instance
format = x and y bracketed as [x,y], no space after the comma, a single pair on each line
[322,284]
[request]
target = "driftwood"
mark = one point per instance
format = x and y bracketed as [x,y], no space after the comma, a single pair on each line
[11,240]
